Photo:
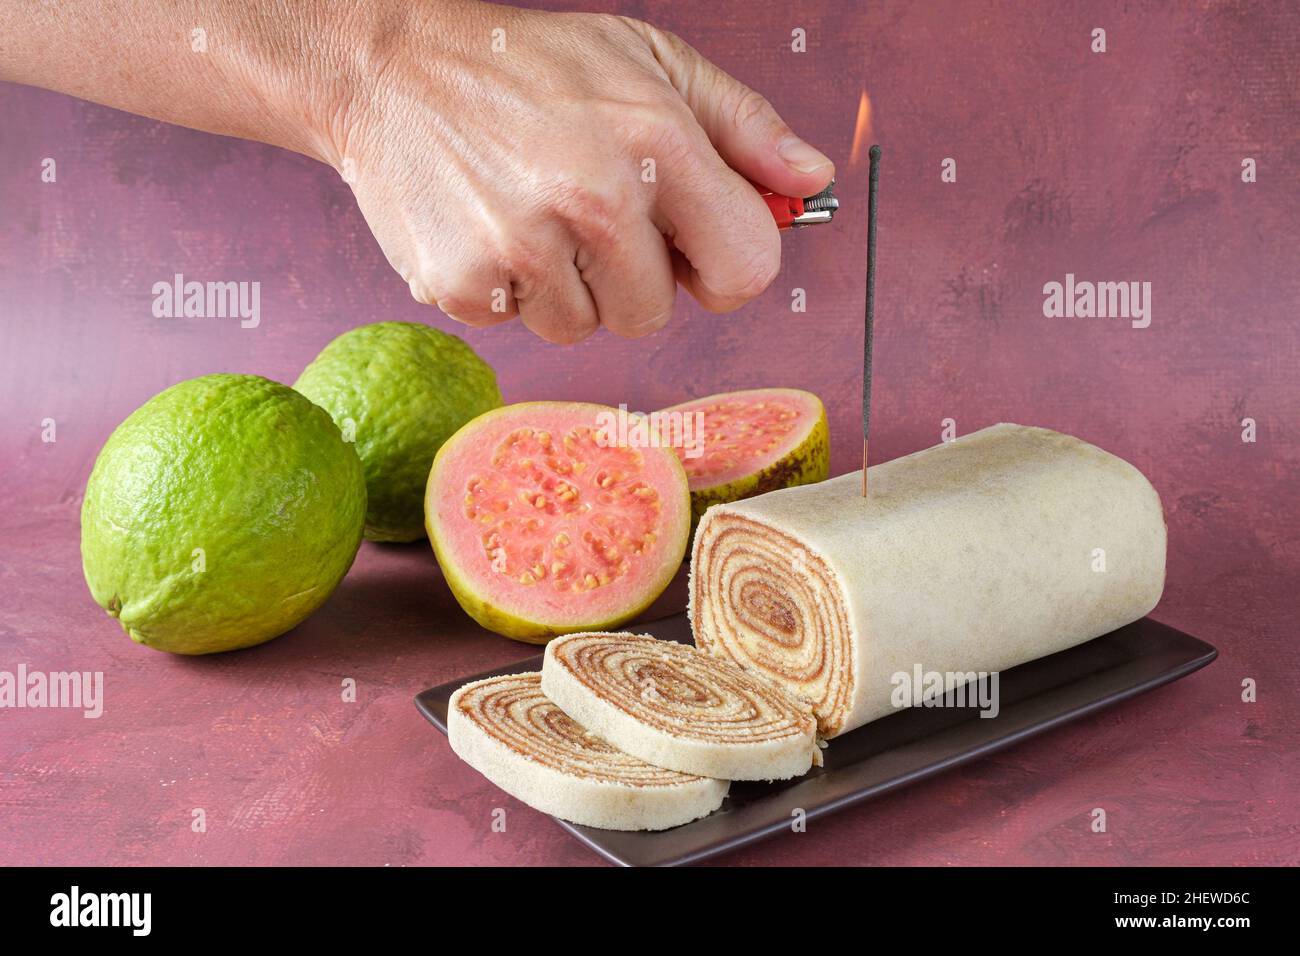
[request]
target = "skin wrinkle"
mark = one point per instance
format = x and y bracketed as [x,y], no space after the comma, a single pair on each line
[462,169]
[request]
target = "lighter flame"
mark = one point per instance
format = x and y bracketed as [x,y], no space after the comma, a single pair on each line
[861,129]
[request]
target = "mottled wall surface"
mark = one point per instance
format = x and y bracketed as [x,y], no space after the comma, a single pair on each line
[1117,166]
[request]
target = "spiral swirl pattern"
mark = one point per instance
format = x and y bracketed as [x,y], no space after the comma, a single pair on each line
[507,730]
[676,707]
[513,711]
[761,599]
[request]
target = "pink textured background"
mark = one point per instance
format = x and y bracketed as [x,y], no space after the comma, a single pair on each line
[1117,166]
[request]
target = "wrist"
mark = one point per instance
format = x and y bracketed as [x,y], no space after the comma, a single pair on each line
[335,84]
[298,78]
[380,54]
[357,55]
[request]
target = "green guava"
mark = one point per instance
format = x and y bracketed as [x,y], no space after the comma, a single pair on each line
[740,444]
[220,514]
[543,525]
[398,390]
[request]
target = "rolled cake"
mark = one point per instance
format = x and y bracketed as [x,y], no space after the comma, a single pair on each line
[675,707]
[507,730]
[1005,545]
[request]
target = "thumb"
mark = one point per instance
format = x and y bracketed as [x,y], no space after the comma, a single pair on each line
[747,132]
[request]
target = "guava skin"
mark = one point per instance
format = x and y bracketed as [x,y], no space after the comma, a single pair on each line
[809,462]
[806,465]
[220,514]
[402,389]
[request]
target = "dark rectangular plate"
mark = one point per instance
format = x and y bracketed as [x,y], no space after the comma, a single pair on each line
[901,748]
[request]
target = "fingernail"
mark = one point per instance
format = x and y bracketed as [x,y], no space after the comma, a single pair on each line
[800,156]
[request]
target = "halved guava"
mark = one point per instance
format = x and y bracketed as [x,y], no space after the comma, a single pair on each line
[544,525]
[752,442]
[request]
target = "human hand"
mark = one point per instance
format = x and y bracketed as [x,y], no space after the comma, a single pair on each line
[518,162]
[508,161]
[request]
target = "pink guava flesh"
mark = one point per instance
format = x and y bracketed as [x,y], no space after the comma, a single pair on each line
[547,523]
[743,432]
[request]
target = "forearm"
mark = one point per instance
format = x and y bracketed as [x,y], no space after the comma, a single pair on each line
[265,71]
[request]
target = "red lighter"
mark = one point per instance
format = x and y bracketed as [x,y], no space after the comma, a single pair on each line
[791,212]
